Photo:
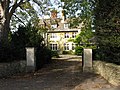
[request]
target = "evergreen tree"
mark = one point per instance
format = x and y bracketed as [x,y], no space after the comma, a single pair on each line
[107,23]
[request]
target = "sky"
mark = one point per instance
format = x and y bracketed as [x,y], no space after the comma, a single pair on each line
[46,17]
[55,5]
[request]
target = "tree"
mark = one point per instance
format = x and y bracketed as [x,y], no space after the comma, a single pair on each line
[23,15]
[81,11]
[107,26]
[7,9]
[84,37]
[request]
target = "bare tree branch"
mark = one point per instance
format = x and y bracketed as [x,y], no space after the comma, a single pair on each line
[19,19]
[15,6]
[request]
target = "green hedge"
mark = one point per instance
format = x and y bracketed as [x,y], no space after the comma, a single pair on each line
[67,52]
[79,50]
[55,54]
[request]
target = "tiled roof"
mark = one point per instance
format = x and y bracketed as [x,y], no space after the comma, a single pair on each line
[60,25]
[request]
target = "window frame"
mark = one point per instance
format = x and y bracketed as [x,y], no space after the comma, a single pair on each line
[54,47]
[74,34]
[67,35]
[53,35]
[66,46]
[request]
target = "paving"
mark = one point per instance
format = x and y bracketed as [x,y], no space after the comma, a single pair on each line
[64,73]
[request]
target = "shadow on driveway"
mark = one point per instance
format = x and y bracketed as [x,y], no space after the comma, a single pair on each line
[63,73]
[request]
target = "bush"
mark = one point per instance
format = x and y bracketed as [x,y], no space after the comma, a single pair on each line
[9,53]
[27,36]
[55,54]
[95,54]
[43,56]
[98,54]
[67,52]
[79,50]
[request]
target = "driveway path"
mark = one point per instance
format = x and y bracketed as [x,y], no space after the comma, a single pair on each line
[63,73]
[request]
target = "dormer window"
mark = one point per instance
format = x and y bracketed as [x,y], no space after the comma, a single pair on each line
[66,25]
[54,26]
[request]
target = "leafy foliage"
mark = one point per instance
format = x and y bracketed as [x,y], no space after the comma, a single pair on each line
[43,56]
[81,13]
[15,12]
[79,50]
[28,36]
[84,37]
[68,52]
[55,54]
[107,22]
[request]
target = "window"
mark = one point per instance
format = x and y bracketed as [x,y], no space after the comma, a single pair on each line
[66,35]
[66,46]
[53,47]
[73,46]
[53,35]
[65,25]
[74,34]
[54,26]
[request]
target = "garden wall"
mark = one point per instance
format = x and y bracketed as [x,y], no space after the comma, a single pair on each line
[12,68]
[109,71]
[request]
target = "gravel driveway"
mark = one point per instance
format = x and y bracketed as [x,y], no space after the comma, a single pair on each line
[63,73]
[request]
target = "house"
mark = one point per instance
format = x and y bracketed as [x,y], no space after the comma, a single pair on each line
[59,35]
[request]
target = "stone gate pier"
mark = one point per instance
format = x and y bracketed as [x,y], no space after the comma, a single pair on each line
[31,59]
[87,60]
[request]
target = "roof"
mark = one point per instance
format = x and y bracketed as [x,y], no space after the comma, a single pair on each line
[60,25]
[62,30]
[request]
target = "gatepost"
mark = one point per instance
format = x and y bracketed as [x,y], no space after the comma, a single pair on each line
[87,60]
[31,59]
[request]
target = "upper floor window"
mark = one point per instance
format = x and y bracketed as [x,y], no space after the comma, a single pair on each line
[74,34]
[67,35]
[66,25]
[54,26]
[53,35]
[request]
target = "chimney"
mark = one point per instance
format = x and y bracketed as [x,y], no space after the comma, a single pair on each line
[63,16]
[54,14]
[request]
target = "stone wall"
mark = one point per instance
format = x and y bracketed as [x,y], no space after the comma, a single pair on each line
[109,71]
[9,69]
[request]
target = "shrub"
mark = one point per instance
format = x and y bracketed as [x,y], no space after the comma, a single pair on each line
[28,36]
[67,52]
[9,53]
[79,50]
[43,56]
[55,54]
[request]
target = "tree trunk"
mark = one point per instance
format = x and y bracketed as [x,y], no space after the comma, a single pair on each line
[5,15]
[4,23]
[5,31]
